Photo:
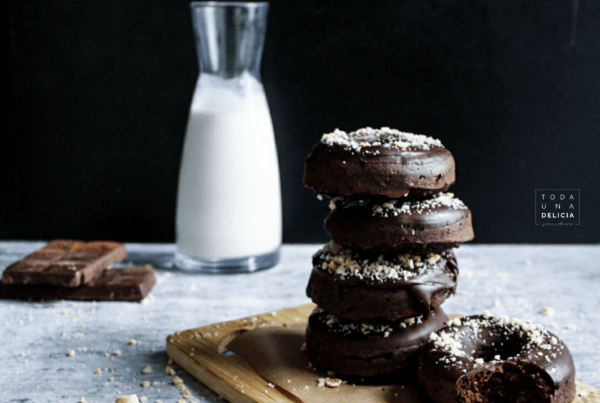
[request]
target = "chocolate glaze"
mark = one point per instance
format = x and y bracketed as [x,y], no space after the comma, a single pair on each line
[441,373]
[365,298]
[378,171]
[372,354]
[433,229]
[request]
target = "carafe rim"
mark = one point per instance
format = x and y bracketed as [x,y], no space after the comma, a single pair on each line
[257,4]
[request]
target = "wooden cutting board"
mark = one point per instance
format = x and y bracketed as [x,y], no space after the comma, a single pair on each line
[201,353]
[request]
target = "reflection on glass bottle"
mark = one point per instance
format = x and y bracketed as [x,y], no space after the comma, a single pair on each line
[229,199]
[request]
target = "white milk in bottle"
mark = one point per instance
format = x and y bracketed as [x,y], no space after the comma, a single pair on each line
[229,197]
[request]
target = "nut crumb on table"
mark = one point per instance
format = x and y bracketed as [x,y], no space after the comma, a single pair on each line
[127,399]
[547,311]
[333,382]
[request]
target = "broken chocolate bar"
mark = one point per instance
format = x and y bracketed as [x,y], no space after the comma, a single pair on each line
[65,263]
[118,284]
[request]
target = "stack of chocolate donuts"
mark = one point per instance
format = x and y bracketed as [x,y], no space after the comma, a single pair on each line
[380,281]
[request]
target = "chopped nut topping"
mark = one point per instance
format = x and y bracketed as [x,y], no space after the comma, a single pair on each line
[449,339]
[454,322]
[384,137]
[345,326]
[147,370]
[410,207]
[345,263]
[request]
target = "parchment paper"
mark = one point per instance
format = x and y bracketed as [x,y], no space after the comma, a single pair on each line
[274,352]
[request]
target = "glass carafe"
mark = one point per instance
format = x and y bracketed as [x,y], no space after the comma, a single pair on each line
[229,197]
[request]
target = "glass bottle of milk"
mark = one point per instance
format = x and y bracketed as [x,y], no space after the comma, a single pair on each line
[229,196]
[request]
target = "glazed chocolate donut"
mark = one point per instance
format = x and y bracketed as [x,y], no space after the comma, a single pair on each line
[430,225]
[486,359]
[363,287]
[367,348]
[378,162]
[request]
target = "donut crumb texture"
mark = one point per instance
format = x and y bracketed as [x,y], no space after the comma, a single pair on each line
[511,382]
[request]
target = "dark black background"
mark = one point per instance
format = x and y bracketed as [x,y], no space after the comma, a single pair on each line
[99,93]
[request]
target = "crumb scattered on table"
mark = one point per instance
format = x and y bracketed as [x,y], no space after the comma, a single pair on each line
[547,311]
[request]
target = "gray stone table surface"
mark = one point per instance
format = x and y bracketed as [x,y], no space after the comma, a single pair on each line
[514,280]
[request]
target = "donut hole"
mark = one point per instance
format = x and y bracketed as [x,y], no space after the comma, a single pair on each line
[513,382]
[504,351]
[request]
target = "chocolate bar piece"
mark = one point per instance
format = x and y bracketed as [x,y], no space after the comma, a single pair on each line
[65,263]
[118,284]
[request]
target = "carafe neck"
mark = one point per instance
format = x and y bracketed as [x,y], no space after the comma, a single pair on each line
[229,37]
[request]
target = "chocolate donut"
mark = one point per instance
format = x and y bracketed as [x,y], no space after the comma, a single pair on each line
[367,348]
[486,359]
[378,162]
[361,287]
[433,224]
